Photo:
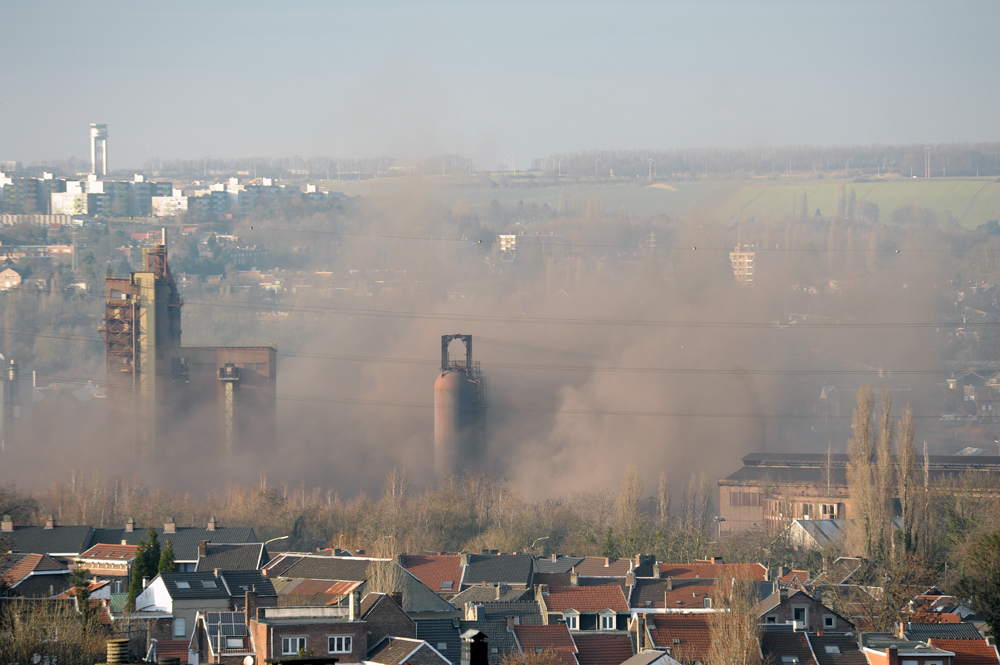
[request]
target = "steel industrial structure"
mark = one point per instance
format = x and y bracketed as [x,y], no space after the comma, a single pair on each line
[162,395]
[460,405]
[99,136]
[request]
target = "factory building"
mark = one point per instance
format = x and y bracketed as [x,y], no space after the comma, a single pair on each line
[459,411]
[164,397]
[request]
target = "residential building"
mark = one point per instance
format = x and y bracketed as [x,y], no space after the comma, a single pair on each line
[9,279]
[405,651]
[231,556]
[515,570]
[584,608]
[107,560]
[441,572]
[836,649]
[785,646]
[554,638]
[686,637]
[887,649]
[743,258]
[36,575]
[794,606]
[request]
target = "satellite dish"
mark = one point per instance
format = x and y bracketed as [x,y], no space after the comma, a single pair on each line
[248,660]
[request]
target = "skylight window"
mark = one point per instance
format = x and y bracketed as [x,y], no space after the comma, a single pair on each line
[789,660]
[209,584]
[831,648]
[181,584]
[447,585]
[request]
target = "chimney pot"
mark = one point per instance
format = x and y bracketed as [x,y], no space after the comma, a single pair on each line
[656,569]
[170,526]
[50,522]
[129,525]
[630,579]
[211,523]
[574,579]
[7,525]
[554,557]
[670,583]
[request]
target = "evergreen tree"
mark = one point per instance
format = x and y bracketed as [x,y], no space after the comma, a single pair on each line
[138,572]
[167,564]
[81,589]
[152,562]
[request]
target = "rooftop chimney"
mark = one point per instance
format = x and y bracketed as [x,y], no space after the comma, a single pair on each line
[892,655]
[463,559]
[170,526]
[397,597]
[554,557]
[501,590]
[574,579]
[513,621]
[202,549]
[129,525]
[656,569]
[670,583]
[630,579]
[7,525]
[211,523]
[354,606]
[50,522]
[474,612]
[250,606]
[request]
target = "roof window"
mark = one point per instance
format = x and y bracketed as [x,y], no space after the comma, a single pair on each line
[447,585]
[181,584]
[789,660]
[831,648]
[209,584]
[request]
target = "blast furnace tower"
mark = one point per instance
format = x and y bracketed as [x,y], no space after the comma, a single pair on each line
[459,411]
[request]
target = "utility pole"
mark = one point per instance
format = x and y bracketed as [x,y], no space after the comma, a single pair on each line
[650,160]
[927,162]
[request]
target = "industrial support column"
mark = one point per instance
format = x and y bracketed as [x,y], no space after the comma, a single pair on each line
[10,406]
[229,374]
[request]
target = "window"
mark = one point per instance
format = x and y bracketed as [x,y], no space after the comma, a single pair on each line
[573,622]
[234,642]
[771,619]
[799,614]
[539,649]
[832,648]
[209,584]
[708,603]
[932,662]
[494,650]
[607,622]
[290,646]
[910,662]
[180,627]
[181,584]
[829,621]
[337,643]
[118,586]
[447,585]
[789,660]
[442,646]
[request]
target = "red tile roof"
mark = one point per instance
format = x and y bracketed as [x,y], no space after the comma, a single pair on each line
[586,598]
[436,569]
[686,593]
[556,638]
[597,649]
[601,566]
[741,571]
[31,563]
[172,649]
[93,584]
[690,630]
[968,652]
[106,551]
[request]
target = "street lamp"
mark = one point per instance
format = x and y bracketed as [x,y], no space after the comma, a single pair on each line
[719,520]
[274,539]
[536,541]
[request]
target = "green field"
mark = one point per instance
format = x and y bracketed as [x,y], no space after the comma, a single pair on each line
[969,201]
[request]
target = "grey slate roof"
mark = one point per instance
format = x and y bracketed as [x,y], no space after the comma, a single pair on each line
[201,585]
[496,569]
[922,632]
[441,631]
[527,611]
[240,581]
[560,565]
[327,568]
[234,556]
[57,540]
[486,594]
[185,539]
[394,650]
[497,637]
[776,644]
[850,652]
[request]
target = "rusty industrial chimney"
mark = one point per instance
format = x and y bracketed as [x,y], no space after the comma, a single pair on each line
[459,411]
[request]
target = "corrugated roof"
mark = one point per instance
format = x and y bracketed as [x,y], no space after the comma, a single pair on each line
[586,599]
[441,573]
[968,652]
[597,649]
[944,631]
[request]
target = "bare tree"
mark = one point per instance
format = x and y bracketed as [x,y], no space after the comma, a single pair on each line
[884,472]
[663,503]
[860,475]
[733,627]
[906,457]
[627,508]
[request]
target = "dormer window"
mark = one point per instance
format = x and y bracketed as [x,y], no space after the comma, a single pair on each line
[572,619]
[708,603]
[607,622]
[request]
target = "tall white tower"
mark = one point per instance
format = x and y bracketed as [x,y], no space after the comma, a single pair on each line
[99,134]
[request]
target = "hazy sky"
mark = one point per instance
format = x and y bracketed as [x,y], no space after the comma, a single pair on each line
[196,79]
